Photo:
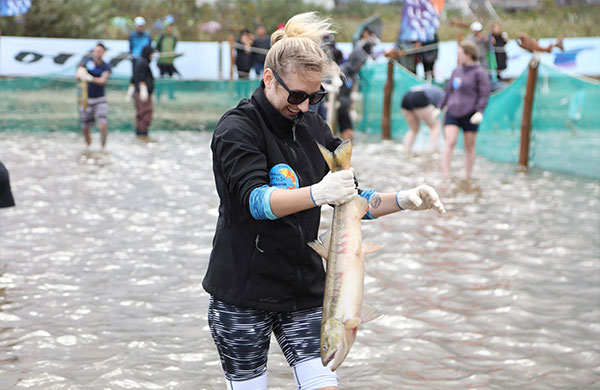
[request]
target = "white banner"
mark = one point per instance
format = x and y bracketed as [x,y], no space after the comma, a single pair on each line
[581,57]
[24,56]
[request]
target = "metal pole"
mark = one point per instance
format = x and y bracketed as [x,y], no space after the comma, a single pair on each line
[527,111]
[387,101]
[220,60]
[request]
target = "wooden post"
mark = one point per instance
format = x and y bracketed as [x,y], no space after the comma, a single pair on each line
[527,110]
[387,102]
[231,56]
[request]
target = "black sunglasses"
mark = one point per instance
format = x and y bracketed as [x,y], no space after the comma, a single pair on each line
[297,97]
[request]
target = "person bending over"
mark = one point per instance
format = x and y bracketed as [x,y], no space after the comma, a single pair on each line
[421,103]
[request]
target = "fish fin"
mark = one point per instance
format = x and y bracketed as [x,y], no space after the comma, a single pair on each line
[321,245]
[361,204]
[371,246]
[340,158]
[325,238]
[368,313]
[328,156]
[352,322]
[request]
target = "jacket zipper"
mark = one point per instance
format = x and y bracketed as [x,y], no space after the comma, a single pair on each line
[299,274]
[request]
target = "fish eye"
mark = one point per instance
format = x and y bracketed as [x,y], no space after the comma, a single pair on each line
[324,347]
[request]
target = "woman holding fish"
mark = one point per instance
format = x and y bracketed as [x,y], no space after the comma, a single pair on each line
[271,178]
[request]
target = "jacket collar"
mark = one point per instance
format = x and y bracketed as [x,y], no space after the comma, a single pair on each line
[279,125]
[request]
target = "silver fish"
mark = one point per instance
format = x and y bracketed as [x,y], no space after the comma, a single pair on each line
[342,247]
[83,97]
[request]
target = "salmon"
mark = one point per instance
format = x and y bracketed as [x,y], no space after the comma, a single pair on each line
[83,98]
[343,250]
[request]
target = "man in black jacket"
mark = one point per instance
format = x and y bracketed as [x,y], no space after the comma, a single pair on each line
[144,86]
[360,54]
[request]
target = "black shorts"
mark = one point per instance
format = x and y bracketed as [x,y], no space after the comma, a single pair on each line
[461,121]
[414,99]
[344,121]
[166,69]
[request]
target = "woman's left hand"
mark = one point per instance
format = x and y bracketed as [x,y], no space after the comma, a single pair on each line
[422,197]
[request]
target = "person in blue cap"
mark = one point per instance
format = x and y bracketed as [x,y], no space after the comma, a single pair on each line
[138,39]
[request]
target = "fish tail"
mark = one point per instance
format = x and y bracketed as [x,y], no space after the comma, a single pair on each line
[340,158]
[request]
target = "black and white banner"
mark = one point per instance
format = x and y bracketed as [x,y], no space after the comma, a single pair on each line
[24,56]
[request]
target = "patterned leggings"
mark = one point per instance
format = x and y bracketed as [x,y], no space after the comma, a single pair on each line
[242,336]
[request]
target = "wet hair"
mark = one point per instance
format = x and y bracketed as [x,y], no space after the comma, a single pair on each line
[297,47]
[470,49]
[147,52]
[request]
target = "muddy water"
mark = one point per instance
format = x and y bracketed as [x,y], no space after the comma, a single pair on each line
[102,259]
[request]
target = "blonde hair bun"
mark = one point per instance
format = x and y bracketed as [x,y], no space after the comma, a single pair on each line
[297,47]
[306,25]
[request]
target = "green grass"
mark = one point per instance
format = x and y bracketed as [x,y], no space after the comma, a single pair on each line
[548,20]
[92,18]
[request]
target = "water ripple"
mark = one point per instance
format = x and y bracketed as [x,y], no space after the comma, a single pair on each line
[101,266]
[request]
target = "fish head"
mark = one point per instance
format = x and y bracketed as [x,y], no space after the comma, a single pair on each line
[332,341]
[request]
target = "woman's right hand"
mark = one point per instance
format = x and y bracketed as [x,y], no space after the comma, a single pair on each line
[476,118]
[335,188]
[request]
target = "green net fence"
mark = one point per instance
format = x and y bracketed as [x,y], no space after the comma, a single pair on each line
[50,104]
[565,121]
[565,124]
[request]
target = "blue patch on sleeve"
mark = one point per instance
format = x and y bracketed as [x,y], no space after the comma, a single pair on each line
[283,176]
[368,194]
[260,203]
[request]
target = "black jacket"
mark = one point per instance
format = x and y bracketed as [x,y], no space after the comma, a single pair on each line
[6,196]
[266,264]
[265,44]
[243,60]
[142,71]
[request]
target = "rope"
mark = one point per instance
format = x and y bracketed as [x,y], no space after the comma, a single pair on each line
[420,49]
[252,48]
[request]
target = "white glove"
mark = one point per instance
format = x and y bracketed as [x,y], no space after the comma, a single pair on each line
[476,118]
[335,188]
[129,93]
[82,74]
[143,93]
[422,197]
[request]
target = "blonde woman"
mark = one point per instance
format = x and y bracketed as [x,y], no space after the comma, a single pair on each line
[271,179]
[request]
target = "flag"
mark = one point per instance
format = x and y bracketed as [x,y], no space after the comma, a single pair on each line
[14,7]
[420,20]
